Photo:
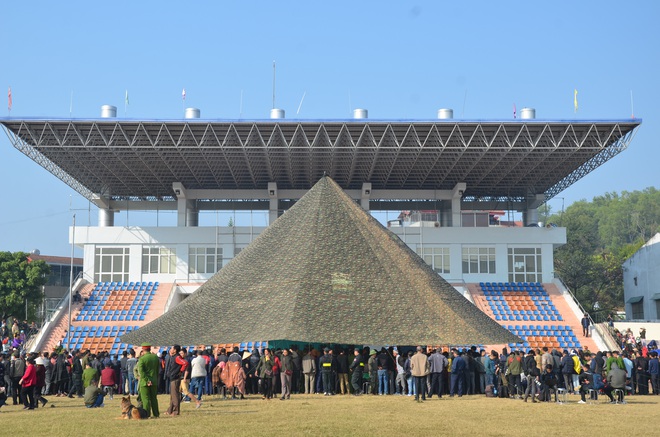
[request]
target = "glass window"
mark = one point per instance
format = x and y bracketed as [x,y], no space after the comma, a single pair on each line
[204,259]
[436,257]
[525,264]
[158,260]
[111,264]
[638,310]
[478,259]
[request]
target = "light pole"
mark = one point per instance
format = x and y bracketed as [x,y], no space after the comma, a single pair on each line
[73,237]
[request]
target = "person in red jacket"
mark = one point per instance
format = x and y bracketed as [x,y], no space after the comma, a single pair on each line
[108,379]
[28,384]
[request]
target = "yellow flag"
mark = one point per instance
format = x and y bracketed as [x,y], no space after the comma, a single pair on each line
[575,100]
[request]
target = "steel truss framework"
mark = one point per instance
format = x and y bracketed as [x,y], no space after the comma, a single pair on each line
[140,160]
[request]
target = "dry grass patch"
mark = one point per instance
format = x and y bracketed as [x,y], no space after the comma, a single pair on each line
[338,415]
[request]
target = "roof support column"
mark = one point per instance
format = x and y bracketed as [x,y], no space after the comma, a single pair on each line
[106,217]
[273,207]
[456,196]
[186,215]
[366,194]
[106,213]
[531,215]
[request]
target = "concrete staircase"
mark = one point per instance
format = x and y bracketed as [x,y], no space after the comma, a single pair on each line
[570,318]
[58,331]
[558,300]
[59,328]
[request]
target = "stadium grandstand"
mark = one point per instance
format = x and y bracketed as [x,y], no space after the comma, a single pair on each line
[448,182]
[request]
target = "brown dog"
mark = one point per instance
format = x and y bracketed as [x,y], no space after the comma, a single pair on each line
[130,411]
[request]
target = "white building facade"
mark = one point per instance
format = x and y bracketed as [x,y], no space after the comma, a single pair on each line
[181,255]
[641,282]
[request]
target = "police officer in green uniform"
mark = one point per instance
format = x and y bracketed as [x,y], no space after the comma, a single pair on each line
[325,362]
[147,367]
[357,366]
[373,372]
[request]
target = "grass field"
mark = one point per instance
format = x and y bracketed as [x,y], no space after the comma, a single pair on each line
[339,416]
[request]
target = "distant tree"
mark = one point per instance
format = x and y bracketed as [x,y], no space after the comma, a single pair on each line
[600,236]
[21,279]
[231,222]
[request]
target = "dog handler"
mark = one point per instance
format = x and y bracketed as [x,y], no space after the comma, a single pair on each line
[147,366]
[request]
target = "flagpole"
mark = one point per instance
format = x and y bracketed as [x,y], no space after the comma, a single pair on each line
[240,108]
[183,101]
[632,105]
[71,106]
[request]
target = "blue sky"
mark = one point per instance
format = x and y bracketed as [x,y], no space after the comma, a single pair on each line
[396,59]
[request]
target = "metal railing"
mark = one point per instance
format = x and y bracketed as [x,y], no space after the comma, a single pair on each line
[577,302]
[53,317]
[606,334]
[170,298]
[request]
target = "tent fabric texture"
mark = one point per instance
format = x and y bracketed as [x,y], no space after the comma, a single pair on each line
[325,272]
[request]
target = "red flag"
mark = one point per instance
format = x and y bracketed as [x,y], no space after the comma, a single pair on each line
[9,101]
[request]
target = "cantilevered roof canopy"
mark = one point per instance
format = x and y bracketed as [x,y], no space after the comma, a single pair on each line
[325,272]
[141,159]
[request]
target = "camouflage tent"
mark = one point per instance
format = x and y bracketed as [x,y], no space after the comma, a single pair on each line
[325,272]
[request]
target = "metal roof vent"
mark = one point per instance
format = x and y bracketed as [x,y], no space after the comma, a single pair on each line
[528,113]
[108,111]
[360,113]
[445,114]
[192,113]
[276,113]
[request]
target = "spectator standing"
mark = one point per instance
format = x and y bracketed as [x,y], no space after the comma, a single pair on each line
[286,373]
[342,371]
[514,364]
[28,384]
[532,374]
[585,325]
[197,376]
[17,369]
[419,367]
[437,364]
[130,375]
[309,372]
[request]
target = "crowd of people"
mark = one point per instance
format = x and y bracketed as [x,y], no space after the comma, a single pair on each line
[29,379]
[14,333]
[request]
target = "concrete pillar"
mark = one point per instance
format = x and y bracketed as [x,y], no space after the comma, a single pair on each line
[457,195]
[273,208]
[192,215]
[106,217]
[181,211]
[531,214]
[366,195]
[186,213]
